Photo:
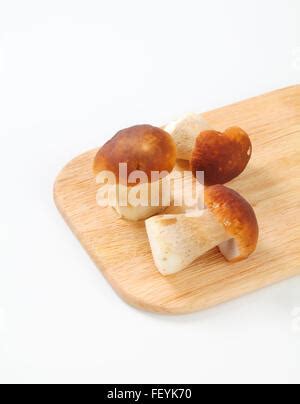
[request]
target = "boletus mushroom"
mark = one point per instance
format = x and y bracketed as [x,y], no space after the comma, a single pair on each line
[145,150]
[228,222]
[221,156]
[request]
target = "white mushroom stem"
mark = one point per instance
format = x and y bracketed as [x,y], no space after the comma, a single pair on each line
[185,131]
[134,203]
[178,240]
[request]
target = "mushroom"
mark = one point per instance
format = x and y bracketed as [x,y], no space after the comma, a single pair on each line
[228,222]
[222,156]
[185,131]
[144,150]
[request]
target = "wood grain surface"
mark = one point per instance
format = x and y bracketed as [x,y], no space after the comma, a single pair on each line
[271,183]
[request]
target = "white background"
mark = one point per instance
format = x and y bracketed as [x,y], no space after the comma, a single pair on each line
[71,74]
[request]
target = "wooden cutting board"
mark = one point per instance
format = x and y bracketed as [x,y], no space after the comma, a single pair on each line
[271,183]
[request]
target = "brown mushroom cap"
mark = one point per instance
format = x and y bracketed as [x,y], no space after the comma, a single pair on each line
[144,148]
[222,156]
[238,218]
